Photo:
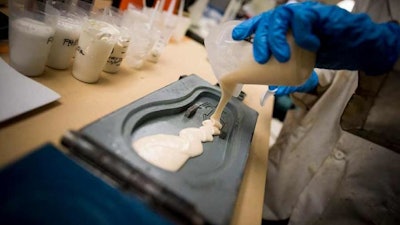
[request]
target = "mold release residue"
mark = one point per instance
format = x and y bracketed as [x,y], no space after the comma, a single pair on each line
[170,152]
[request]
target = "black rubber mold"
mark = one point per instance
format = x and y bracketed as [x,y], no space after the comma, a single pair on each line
[205,189]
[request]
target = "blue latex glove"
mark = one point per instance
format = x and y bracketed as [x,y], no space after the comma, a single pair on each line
[341,39]
[308,86]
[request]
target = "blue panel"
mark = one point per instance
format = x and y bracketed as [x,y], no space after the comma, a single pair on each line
[46,187]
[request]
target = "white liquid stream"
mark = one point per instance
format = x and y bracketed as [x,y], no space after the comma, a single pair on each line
[171,152]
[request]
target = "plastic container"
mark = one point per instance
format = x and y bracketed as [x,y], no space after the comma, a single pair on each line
[182,25]
[142,39]
[66,36]
[31,34]
[224,53]
[94,47]
[166,25]
[143,34]
[233,62]
[114,16]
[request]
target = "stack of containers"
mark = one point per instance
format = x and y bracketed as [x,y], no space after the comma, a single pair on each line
[166,24]
[62,35]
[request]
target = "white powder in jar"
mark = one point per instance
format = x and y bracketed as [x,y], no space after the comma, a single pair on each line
[30,43]
[65,42]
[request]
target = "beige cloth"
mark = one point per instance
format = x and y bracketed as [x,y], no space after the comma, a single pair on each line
[319,173]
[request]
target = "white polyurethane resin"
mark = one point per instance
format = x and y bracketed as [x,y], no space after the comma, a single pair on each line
[170,152]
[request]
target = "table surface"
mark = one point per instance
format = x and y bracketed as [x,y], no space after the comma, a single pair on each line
[82,103]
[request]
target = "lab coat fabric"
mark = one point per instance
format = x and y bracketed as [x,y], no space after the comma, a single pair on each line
[319,173]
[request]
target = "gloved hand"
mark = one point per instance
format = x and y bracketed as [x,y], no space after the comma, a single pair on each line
[308,86]
[342,40]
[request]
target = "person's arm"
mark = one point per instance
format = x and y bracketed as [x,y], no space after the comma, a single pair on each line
[342,40]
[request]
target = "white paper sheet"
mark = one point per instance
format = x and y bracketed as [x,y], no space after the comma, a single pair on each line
[20,94]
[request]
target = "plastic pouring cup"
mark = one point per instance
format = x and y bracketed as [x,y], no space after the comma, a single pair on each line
[224,53]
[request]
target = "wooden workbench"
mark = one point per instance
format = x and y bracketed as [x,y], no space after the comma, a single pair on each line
[81,104]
